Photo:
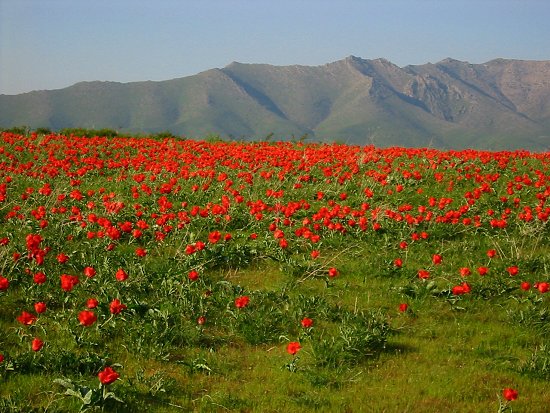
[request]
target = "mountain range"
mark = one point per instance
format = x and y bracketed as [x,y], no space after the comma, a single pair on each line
[501,104]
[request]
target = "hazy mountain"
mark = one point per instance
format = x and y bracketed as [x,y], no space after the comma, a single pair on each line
[451,104]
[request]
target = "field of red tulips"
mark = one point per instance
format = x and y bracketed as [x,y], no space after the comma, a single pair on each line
[149,274]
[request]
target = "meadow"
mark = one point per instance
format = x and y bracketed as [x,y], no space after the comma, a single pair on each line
[165,274]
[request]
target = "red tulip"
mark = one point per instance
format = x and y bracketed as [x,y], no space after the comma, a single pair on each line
[92,303]
[241,302]
[121,275]
[26,318]
[293,347]
[89,272]
[40,307]
[116,306]
[510,394]
[87,318]
[37,344]
[4,283]
[108,376]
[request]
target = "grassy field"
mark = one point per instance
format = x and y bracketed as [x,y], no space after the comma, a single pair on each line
[148,274]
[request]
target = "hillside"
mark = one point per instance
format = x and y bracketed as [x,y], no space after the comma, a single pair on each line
[450,104]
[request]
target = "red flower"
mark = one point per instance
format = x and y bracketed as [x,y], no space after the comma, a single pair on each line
[398,262]
[436,259]
[201,320]
[39,278]
[491,253]
[214,237]
[525,286]
[87,318]
[68,282]
[461,289]
[543,287]
[510,394]
[62,258]
[37,344]
[513,270]
[307,322]
[423,274]
[241,302]
[89,272]
[141,252]
[92,303]
[40,307]
[121,275]
[315,254]
[403,307]
[4,283]
[332,272]
[26,318]
[193,275]
[293,347]
[116,306]
[465,271]
[108,376]
[482,270]
[1,358]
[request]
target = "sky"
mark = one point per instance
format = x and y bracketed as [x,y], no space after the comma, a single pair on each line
[52,44]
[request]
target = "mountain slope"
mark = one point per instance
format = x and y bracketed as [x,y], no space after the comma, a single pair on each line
[449,104]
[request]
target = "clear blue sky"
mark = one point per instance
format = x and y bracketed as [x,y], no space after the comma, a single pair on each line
[51,44]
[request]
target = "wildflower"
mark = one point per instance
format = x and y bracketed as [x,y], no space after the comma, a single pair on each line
[423,274]
[4,283]
[510,394]
[482,271]
[40,307]
[543,287]
[26,318]
[116,306]
[121,275]
[37,344]
[241,302]
[39,278]
[513,271]
[293,347]
[68,282]
[108,375]
[92,303]
[87,318]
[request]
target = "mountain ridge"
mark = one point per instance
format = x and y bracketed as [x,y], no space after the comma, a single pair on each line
[503,103]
